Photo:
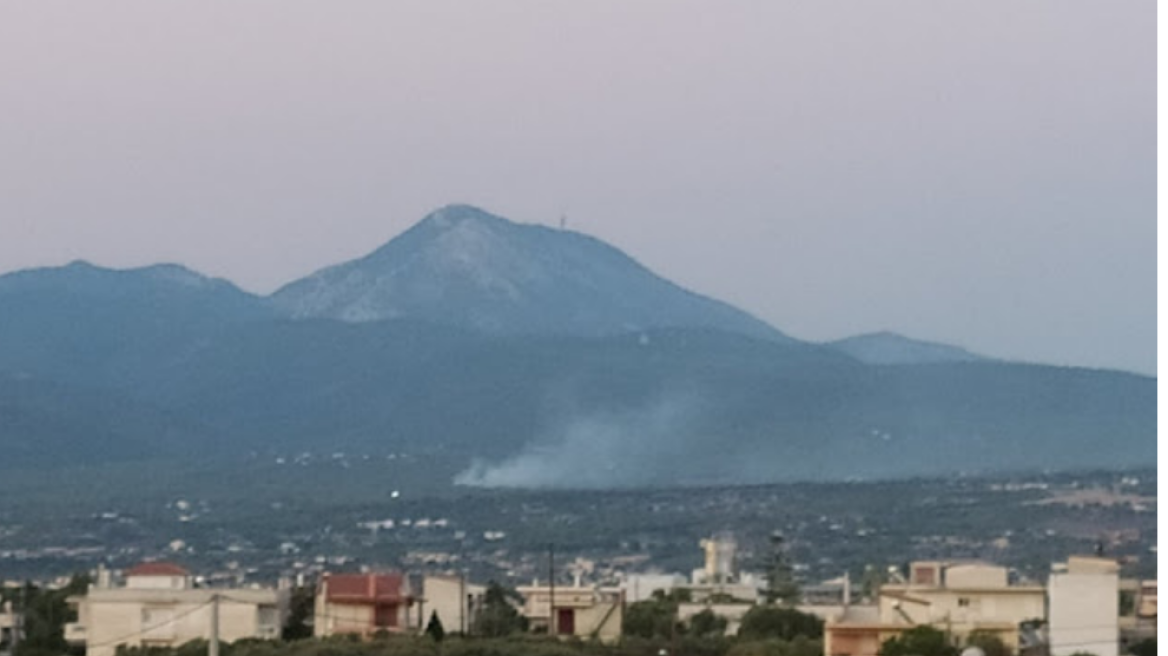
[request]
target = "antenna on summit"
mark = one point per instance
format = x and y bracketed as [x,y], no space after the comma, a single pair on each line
[563,222]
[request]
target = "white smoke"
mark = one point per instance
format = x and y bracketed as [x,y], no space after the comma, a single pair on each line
[600,450]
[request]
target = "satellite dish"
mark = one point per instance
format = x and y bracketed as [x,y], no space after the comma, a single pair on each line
[973,651]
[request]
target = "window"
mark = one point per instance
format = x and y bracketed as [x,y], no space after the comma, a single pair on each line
[971,603]
[269,621]
[157,623]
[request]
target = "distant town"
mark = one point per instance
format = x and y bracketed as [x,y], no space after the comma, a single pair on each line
[1084,605]
[1008,557]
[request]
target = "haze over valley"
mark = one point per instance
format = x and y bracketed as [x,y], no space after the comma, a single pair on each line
[521,355]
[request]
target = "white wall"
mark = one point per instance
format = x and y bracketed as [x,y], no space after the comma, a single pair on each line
[639,587]
[1084,613]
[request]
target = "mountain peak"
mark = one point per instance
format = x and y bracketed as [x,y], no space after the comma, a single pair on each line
[463,266]
[453,215]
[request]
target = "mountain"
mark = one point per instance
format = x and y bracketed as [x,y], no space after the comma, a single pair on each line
[48,424]
[891,348]
[518,355]
[657,407]
[85,324]
[465,267]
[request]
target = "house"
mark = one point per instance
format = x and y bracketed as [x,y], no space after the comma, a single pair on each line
[1137,610]
[825,601]
[362,604]
[158,606]
[9,625]
[956,597]
[453,599]
[1084,607]
[574,611]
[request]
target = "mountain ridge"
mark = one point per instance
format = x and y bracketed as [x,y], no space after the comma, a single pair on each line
[465,266]
[162,361]
[887,347]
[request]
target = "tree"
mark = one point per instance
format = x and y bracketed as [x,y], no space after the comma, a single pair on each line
[989,643]
[498,616]
[1145,647]
[919,641]
[434,627]
[781,585]
[45,614]
[763,622]
[707,625]
[651,618]
[871,580]
[676,595]
[300,612]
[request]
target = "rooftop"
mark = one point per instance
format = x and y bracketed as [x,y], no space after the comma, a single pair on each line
[157,569]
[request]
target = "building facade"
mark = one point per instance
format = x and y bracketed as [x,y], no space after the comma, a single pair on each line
[362,604]
[159,607]
[590,613]
[958,598]
[453,599]
[1084,607]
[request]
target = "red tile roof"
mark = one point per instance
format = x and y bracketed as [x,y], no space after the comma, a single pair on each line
[365,588]
[157,569]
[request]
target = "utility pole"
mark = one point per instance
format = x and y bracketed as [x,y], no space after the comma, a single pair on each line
[213,644]
[462,601]
[18,620]
[552,588]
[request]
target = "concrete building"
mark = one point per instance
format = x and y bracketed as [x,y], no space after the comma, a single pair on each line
[455,601]
[640,587]
[1084,607]
[958,598]
[721,560]
[577,611]
[9,625]
[159,607]
[1137,610]
[362,604]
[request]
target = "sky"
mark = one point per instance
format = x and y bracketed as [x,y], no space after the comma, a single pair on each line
[980,173]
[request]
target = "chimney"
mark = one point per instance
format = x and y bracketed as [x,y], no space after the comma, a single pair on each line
[847,589]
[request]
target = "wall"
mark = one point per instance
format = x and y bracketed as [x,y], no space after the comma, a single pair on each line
[331,619]
[154,582]
[446,595]
[597,612]
[167,620]
[639,587]
[976,576]
[1084,613]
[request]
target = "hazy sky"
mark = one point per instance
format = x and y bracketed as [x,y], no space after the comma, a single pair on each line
[981,172]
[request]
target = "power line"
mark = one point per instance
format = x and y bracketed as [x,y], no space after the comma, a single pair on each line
[352,621]
[148,629]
